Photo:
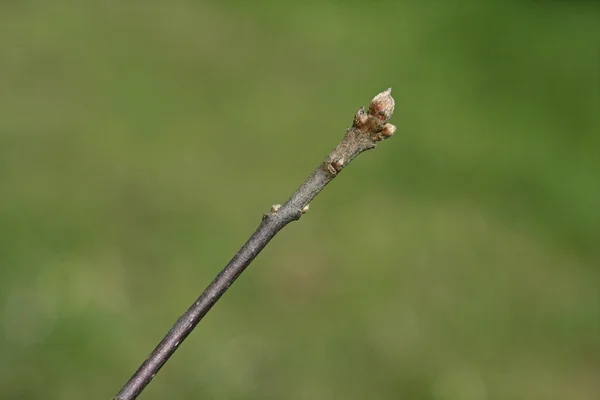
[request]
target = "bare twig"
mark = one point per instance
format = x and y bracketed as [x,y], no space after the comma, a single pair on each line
[369,127]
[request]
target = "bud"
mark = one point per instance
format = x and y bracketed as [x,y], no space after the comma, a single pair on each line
[382,105]
[360,118]
[388,130]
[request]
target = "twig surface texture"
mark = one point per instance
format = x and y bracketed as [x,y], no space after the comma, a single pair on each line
[369,127]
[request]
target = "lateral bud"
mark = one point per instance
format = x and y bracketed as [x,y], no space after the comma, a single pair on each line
[387,131]
[361,118]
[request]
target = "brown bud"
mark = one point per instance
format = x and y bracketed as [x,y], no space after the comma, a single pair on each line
[388,130]
[360,118]
[382,105]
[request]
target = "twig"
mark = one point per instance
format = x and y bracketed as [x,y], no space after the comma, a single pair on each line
[368,128]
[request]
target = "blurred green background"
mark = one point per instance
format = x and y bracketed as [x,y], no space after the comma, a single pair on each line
[140,142]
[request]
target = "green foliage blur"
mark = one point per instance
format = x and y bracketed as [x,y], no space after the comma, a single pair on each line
[140,142]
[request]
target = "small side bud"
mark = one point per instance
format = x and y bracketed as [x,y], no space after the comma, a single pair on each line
[388,130]
[360,118]
[275,207]
[337,165]
[382,105]
[305,208]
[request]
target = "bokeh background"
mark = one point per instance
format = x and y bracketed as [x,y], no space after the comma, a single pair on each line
[140,142]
